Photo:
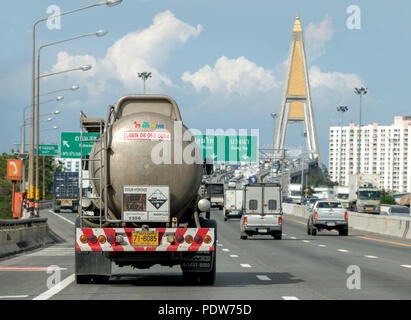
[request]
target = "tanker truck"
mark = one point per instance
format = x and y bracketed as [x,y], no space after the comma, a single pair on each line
[146,170]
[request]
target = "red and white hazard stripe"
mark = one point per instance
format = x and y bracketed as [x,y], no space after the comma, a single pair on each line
[119,239]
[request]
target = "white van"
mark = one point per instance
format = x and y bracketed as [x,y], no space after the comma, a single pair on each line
[262,210]
[233,203]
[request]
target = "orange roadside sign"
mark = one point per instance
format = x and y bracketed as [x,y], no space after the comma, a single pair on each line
[14,170]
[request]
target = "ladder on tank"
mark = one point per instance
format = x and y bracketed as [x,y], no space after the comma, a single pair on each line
[91,125]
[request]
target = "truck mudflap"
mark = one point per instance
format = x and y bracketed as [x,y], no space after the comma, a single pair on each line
[166,239]
[198,262]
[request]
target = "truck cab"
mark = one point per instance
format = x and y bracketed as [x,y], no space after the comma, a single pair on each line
[262,210]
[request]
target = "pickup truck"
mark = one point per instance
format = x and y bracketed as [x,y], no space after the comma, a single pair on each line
[262,210]
[327,215]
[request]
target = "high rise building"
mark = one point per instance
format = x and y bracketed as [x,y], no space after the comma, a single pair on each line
[384,151]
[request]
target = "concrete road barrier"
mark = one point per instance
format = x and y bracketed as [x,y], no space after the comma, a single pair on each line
[20,235]
[391,226]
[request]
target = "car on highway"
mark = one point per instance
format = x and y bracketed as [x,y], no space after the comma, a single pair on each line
[232,184]
[398,211]
[327,215]
[309,202]
[287,199]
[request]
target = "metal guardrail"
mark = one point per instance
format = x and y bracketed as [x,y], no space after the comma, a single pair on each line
[28,222]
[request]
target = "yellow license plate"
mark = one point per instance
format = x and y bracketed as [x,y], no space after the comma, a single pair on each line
[66,203]
[369,209]
[143,239]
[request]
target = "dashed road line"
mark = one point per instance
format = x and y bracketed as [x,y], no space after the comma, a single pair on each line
[13,297]
[226,250]
[294,238]
[406,266]
[263,278]
[219,244]
[233,256]
[370,257]
[244,265]
[306,241]
[290,298]
[322,245]
[343,250]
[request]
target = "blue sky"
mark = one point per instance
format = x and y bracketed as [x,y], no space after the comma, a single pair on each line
[222,61]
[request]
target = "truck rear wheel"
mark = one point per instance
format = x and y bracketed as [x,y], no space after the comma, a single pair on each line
[278,235]
[343,231]
[82,279]
[208,278]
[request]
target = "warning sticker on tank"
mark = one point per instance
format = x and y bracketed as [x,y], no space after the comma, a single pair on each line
[146,203]
[157,199]
[147,135]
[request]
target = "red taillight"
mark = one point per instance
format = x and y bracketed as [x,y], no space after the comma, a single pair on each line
[180,238]
[93,239]
[280,220]
[346,216]
[316,215]
[111,239]
[198,239]
[245,221]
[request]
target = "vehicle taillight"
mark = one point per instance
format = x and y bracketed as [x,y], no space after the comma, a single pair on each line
[111,239]
[280,220]
[180,238]
[346,216]
[83,239]
[245,221]
[189,239]
[102,239]
[198,239]
[208,239]
[315,215]
[93,239]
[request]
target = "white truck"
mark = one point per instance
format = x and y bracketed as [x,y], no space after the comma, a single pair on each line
[262,210]
[294,192]
[327,215]
[233,203]
[342,193]
[364,193]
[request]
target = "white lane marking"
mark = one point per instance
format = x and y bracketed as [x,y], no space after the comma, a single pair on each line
[406,266]
[56,289]
[263,278]
[233,256]
[306,241]
[13,297]
[293,238]
[284,234]
[226,250]
[67,220]
[342,250]
[219,244]
[290,298]
[322,245]
[371,257]
[245,265]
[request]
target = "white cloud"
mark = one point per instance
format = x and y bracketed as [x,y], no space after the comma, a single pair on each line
[333,80]
[317,36]
[232,76]
[143,50]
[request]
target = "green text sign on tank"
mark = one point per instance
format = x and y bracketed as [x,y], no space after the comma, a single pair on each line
[71,144]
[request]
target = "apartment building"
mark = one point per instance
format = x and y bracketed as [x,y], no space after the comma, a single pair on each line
[376,149]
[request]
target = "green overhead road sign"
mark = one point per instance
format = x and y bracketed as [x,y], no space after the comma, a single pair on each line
[48,150]
[71,144]
[228,148]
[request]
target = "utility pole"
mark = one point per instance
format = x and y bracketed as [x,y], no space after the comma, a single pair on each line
[144,76]
[341,109]
[361,92]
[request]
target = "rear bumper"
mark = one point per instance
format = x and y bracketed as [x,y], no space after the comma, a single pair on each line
[330,223]
[123,240]
[233,213]
[259,229]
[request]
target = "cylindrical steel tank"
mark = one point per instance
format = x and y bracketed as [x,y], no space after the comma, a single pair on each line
[134,162]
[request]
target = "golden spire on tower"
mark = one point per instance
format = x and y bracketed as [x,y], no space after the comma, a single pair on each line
[297,25]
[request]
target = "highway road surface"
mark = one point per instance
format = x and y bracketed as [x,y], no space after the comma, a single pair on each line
[299,267]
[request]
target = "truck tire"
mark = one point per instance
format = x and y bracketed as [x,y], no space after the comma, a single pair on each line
[205,278]
[243,237]
[308,227]
[82,279]
[278,235]
[343,231]
[56,210]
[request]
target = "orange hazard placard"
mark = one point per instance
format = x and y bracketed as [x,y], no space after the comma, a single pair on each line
[14,169]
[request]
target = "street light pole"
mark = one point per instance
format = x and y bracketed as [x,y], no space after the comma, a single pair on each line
[361,92]
[109,3]
[341,109]
[144,76]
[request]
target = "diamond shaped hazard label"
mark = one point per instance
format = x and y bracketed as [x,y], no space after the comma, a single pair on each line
[157,199]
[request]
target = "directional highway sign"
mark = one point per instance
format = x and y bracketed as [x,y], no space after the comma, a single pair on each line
[221,148]
[71,144]
[48,150]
